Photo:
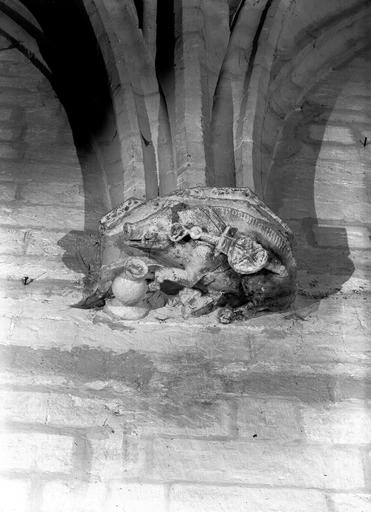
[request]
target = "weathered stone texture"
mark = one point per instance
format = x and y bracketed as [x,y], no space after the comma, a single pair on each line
[344,423]
[95,496]
[90,497]
[320,175]
[258,463]
[138,496]
[35,451]
[185,498]
[268,419]
[269,416]
[346,502]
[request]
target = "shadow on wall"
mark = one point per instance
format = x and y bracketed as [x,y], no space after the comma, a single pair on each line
[79,79]
[88,103]
[294,187]
[82,252]
[82,248]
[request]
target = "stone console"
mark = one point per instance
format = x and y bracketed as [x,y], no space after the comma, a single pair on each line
[197,250]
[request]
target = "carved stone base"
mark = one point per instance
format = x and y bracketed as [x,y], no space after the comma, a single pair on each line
[217,247]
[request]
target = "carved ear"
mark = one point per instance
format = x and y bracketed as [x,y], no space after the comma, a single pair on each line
[246,256]
[112,218]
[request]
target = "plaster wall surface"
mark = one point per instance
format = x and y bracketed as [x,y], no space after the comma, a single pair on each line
[269,416]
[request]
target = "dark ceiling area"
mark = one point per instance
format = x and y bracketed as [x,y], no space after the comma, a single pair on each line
[74,63]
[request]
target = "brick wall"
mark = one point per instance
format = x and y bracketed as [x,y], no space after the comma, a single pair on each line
[320,180]
[49,203]
[270,416]
[186,430]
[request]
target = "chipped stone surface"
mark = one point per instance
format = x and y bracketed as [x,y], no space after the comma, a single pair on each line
[164,414]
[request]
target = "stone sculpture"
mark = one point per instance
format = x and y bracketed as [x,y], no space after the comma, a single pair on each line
[200,249]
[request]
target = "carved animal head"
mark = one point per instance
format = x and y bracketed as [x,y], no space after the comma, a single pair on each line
[150,233]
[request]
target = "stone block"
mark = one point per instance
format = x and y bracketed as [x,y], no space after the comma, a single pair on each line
[326,208]
[40,307]
[6,112]
[73,497]
[194,420]
[197,498]
[11,378]
[10,133]
[24,83]
[74,245]
[342,423]
[119,455]
[359,237]
[271,419]
[327,348]
[57,217]
[7,191]
[26,407]
[66,292]
[328,133]
[16,267]
[44,242]
[115,173]
[43,333]
[14,495]
[26,98]
[116,193]
[283,381]
[331,207]
[34,172]
[51,152]
[353,103]
[333,235]
[10,57]
[257,463]
[348,116]
[136,497]
[56,409]
[10,151]
[351,502]
[53,194]
[52,333]
[14,69]
[35,451]
[331,152]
